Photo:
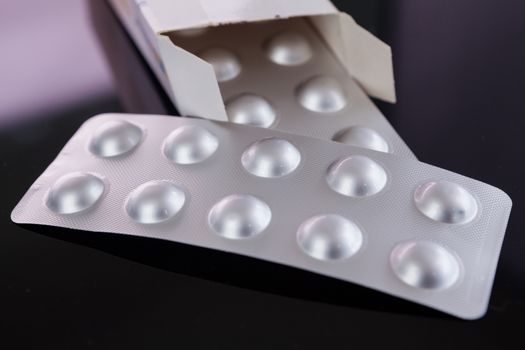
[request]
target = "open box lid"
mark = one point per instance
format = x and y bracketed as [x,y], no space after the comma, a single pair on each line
[191,82]
[171,15]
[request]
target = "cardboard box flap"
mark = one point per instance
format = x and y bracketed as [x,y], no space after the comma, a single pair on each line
[366,58]
[194,86]
[184,14]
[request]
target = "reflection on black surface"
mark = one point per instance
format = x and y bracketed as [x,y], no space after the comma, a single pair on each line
[238,271]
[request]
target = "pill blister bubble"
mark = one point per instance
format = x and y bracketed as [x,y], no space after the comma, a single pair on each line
[155,202]
[271,157]
[190,144]
[288,49]
[322,94]
[74,193]
[446,202]
[225,64]
[425,264]
[250,109]
[361,136]
[239,216]
[356,176]
[114,138]
[329,237]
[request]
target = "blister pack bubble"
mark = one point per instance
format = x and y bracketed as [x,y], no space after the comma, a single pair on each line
[282,75]
[390,223]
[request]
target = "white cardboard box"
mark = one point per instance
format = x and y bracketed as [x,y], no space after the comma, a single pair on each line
[191,83]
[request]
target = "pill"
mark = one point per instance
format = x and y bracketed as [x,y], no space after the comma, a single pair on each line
[288,49]
[74,193]
[364,137]
[321,94]
[445,202]
[329,237]
[225,64]
[155,201]
[356,176]
[271,157]
[190,144]
[239,216]
[425,264]
[114,138]
[250,109]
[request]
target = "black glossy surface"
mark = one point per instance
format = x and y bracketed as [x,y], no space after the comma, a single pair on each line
[460,73]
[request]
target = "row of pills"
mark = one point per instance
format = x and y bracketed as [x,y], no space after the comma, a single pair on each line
[286,48]
[325,237]
[354,176]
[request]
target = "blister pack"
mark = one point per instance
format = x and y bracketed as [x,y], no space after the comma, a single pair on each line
[282,75]
[393,224]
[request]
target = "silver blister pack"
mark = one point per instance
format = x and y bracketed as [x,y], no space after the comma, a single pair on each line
[393,224]
[282,75]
